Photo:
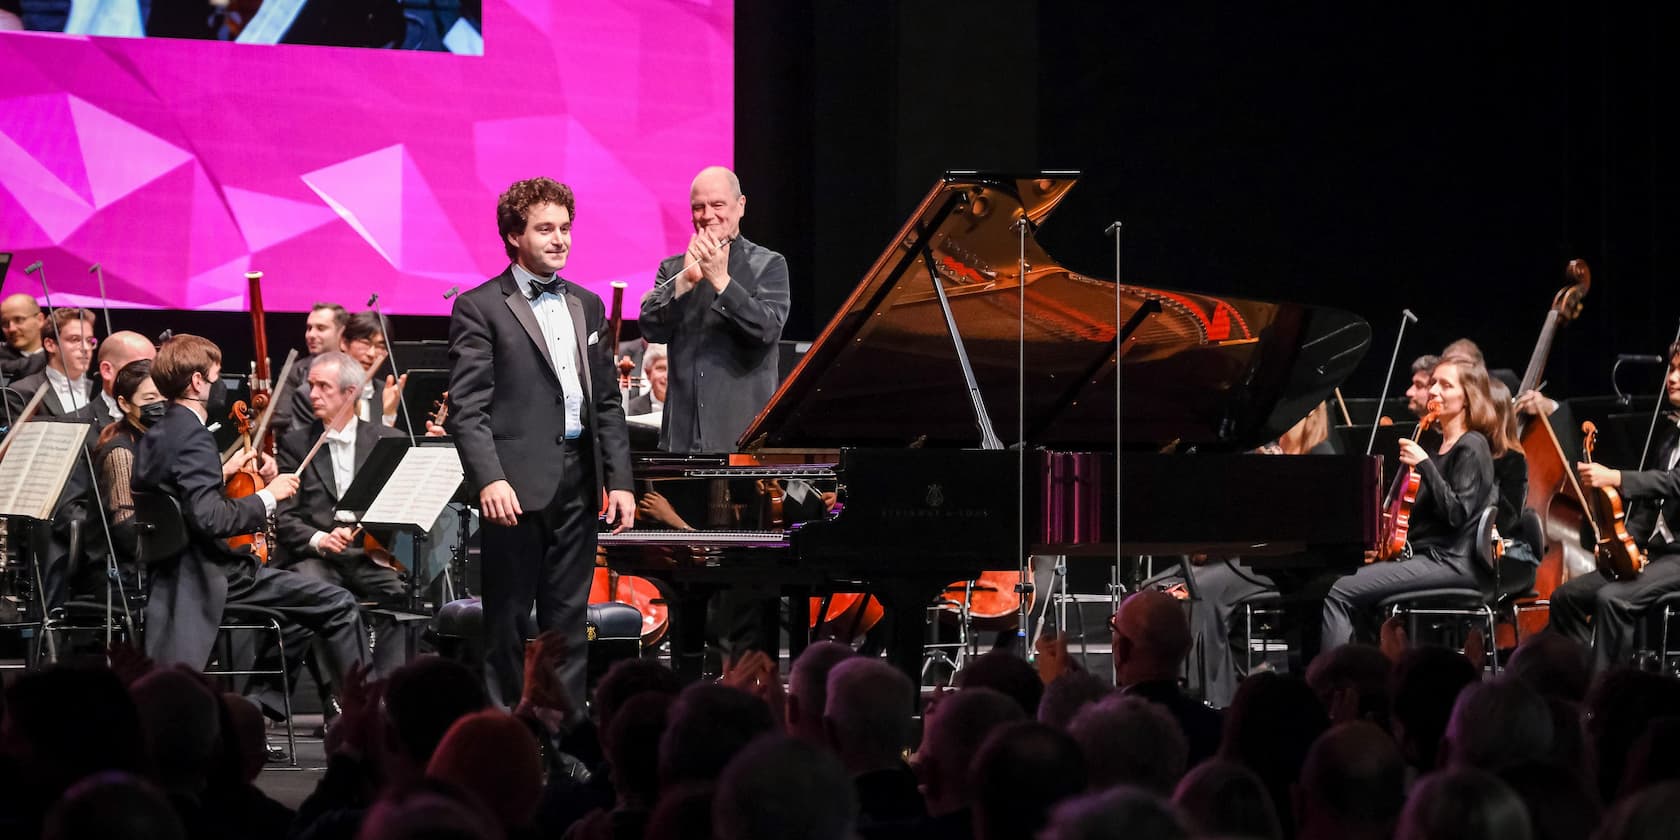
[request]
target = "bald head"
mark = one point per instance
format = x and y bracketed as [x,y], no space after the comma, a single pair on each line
[119,349]
[22,320]
[1152,637]
[717,177]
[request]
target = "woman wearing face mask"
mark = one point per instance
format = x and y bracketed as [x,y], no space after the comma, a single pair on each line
[141,406]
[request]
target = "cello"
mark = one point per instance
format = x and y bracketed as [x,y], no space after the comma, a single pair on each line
[1615,549]
[1554,493]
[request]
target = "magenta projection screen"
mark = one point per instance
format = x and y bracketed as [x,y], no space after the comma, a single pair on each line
[179,165]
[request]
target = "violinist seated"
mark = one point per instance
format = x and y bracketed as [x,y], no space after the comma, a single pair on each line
[318,542]
[1593,609]
[177,457]
[364,339]
[139,405]
[1457,484]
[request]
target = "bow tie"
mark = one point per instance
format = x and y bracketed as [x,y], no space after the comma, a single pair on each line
[556,287]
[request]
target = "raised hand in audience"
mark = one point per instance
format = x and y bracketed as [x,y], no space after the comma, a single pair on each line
[1053,660]
[1393,641]
[359,731]
[544,697]
[756,674]
[128,662]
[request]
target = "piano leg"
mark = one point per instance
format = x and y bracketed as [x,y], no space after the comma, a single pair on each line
[905,602]
[688,631]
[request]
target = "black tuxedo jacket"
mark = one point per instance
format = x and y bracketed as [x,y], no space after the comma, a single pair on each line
[177,457]
[1654,491]
[89,406]
[15,365]
[506,410]
[298,518]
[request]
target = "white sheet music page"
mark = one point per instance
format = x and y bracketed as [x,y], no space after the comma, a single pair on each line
[33,473]
[418,489]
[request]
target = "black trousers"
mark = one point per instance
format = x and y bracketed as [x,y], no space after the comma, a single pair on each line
[327,611]
[367,581]
[548,558]
[1595,610]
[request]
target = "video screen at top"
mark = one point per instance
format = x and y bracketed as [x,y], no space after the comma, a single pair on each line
[454,26]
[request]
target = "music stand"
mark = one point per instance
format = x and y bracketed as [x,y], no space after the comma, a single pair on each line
[411,499]
[371,476]
[33,474]
[424,387]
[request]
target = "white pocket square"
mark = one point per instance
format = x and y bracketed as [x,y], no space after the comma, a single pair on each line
[594,338]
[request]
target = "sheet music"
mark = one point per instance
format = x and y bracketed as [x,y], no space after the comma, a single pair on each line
[418,489]
[33,473]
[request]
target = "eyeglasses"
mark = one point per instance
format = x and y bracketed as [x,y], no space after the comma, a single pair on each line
[90,341]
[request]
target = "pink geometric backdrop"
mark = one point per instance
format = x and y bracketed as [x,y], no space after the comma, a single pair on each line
[179,165]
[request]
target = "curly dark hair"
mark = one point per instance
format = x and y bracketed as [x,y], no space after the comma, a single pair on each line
[512,207]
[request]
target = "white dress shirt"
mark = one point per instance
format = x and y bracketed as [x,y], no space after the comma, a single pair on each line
[555,321]
[110,403]
[1663,530]
[341,448]
[71,394]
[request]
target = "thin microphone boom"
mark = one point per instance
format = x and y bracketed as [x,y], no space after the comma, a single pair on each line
[103,302]
[385,328]
[1406,318]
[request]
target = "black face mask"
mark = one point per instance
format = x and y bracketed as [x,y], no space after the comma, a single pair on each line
[150,413]
[216,405]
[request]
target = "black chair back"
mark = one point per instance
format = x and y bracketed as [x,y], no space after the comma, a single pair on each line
[163,530]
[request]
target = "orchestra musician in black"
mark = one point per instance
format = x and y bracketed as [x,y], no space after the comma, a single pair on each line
[536,414]
[1593,609]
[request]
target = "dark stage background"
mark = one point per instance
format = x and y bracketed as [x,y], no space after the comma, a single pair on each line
[1445,159]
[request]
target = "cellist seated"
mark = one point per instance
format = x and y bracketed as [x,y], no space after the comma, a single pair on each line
[1593,608]
[177,457]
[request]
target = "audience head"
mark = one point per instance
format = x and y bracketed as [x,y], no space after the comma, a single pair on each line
[684,812]
[1003,671]
[631,743]
[708,725]
[807,693]
[1463,802]
[1151,638]
[1620,706]
[1069,693]
[181,719]
[1123,813]
[656,370]
[365,340]
[1497,723]
[185,368]
[324,326]
[951,736]
[1554,664]
[1021,772]
[1361,669]
[63,723]
[22,320]
[626,679]
[69,341]
[494,756]
[1425,684]
[1130,741]
[783,788]
[243,735]
[868,713]
[1225,799]
[1655,756]
[113,805]
[428,809]
[1269,728]
[1353,784]
[423,699]
[1561,805]
[119,349]
[1650,814]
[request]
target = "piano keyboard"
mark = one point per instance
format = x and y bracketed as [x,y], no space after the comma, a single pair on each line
[695,539]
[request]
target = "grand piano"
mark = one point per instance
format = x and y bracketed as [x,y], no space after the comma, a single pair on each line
[943,460]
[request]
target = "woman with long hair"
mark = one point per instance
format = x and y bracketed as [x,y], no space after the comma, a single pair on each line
[1457,485]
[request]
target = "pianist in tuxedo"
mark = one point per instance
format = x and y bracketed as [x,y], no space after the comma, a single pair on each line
[535,411]
[68,342]
[177,457]
[322,331]
[719,307]
[317,542]
[1591,608]
[22,321]
[1457,485]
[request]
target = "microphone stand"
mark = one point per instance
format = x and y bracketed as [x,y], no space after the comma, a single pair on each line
[390,345]
[1656,411]
[104,303]
[1406,317]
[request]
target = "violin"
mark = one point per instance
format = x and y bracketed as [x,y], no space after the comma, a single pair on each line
[1397,517]
[246,482]
[1616,551]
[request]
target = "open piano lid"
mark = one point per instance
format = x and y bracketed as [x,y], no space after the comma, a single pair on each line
[1215,373]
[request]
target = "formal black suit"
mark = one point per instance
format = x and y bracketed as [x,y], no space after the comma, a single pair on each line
[54,404]
[300,517]
[1594,610]
[177,457]
[15,365]
[723,354]
[507,415]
